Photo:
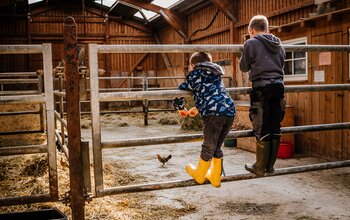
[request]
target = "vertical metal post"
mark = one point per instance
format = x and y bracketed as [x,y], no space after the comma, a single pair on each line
[145,102]
[73,119]
[50,121]
[130,84]
[41,106]
[60,88]
[95,118]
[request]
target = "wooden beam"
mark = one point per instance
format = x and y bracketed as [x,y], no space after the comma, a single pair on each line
[174,20]
[306,23]
[227,7]
[143,4]
[284,29]
[166,59]
[133,68]
[207,34]
[134,25]
[171,17]
[41,10]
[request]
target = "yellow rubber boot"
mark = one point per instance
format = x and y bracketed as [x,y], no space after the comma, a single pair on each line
[214,173]
[198,174]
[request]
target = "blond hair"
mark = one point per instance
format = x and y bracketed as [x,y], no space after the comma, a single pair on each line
[259,23]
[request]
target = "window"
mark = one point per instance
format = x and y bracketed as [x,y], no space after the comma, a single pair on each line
[107,3]
[296,62]
[148,14]
[165,4]
[34,1]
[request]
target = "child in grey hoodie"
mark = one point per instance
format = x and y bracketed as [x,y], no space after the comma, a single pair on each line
[263,55]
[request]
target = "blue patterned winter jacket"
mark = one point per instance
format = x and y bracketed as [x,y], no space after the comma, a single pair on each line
[208,91]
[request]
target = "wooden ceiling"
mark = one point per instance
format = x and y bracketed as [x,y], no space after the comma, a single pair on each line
[126,9]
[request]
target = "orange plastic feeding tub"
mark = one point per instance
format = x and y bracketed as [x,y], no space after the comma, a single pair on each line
[286,150]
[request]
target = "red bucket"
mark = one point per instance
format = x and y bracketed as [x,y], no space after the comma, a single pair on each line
[286,150]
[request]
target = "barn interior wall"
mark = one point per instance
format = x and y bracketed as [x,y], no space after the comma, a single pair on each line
[310,108]
[46,25]
[317,107]
[218,33]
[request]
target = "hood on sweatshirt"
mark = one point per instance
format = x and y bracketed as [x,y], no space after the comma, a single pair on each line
[271,42]
[214,68]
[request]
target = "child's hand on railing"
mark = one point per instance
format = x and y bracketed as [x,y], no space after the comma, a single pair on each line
[193,112]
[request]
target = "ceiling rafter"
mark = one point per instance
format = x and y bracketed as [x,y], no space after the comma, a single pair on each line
[228,7]
[171,17]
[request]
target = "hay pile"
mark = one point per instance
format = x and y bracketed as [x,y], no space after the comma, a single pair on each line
[28,175]
[192,123]
[132,119]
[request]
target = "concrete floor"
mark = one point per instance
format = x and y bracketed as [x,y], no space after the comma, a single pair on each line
[314,195]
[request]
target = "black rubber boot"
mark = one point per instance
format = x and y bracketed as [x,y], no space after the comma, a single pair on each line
[273,155]
[262,158]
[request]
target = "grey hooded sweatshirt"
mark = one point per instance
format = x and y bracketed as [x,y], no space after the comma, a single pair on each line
[264,56]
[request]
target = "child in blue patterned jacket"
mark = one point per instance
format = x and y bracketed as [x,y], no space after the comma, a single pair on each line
[217,110]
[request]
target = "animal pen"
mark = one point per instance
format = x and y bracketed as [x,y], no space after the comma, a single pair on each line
[77,151]
[99,145]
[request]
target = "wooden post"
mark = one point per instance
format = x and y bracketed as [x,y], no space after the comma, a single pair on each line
[73,119]
[50,121]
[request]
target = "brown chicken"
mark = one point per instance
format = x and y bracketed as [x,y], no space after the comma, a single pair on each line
[163,160]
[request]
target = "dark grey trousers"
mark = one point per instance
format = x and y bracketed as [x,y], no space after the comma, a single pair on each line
[215,130]
[266,111]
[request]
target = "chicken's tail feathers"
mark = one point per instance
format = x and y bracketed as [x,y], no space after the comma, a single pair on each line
[169,157]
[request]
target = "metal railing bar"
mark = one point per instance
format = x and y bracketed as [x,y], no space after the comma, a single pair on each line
[21,132]
[25,200]
[18,74]
[19,92]
[230,48]
[170,94]
[228,178]
[19,113]
[21,49]
[23,99]
[60,94]
[63,146]
[120,77]
[62,120]
[232,134]
[17,150]
[18,81]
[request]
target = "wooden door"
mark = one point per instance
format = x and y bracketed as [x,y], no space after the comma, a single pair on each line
[327,107]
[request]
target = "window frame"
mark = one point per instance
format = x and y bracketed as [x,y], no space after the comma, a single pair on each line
[297,77]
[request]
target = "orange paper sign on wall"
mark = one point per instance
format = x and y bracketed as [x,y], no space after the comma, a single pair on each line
[325,58]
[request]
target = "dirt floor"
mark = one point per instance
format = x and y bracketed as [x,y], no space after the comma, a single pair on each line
[314,195]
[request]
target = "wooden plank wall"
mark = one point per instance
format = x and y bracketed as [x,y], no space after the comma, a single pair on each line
[279,12]
[217,33]
[220,32]
[46,25]
[10,34]
[311,108]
